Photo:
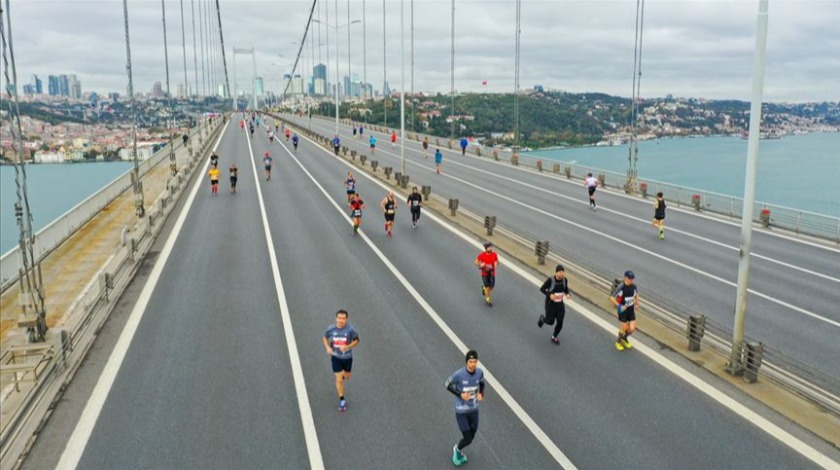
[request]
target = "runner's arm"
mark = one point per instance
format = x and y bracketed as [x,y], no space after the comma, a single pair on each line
[452,386]
[545,286]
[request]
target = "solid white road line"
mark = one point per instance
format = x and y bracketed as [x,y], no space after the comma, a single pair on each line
[704,387]
[517,409]
[637,248]
[75,447]
[313,448]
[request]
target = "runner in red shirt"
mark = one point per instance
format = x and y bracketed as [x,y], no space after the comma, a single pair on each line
[487,261]
[356,206]
[393,138]
[288,133]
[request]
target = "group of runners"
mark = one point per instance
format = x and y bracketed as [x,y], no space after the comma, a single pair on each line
[659,205]
[388,204]
[215,175]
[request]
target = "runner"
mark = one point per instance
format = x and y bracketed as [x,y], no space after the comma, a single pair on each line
[336,144]
[354,132]
[467,384]
[487,261]
[251,128]
[242,124]
[659,214]
[389,208]
[426,147]
[556,290]
[591,184]
[267,162]
[350,185]
[464,143]
[626,299]
[234,174]
[372,145]
[276,127]
[393,138]
[356,206]
[295,140]
[415,202]
[186,138]
[361,130]
[214,159]
[214,175]
[270,138]
[438,160]
[339,340]
[288,134]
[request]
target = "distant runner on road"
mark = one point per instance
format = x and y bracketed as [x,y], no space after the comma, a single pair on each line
[438,160]
[339,340]
[214,175]
[467,384]
[591,184]
[415,202]
[350,185]
[659,214]
[464,143]
[626,299]
[389,208]
[267,162]
[295,141]
[393,138]
[234,176]
[336,144]
[556,291]
[372,145]
[487,261]
[426,147]
[356,206]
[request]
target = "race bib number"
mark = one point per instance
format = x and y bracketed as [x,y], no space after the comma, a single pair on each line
[357,213]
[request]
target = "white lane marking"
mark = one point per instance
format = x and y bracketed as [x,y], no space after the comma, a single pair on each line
[634,199]
[517,409]
[75,447]
[704,387]
[313,448]
[637,248]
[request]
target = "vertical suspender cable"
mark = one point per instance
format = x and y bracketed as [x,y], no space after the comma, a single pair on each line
[452,68]
[184,48]
[137,185]
[204,87]
[195,49]
[412,65]
[384,64]
[633,151]
[222,48]
[516,80]
[349,91]
[172,166]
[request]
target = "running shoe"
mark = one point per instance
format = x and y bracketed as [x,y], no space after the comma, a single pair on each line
[619,346]
[627,343]
[489,304]
[457,456]
[555,340]
[342,405]
[541,321]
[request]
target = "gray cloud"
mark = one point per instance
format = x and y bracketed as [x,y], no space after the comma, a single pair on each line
[691,47]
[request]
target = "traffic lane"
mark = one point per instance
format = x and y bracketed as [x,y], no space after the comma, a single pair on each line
[806,255]
[400,414]
[570,383]
[203,382]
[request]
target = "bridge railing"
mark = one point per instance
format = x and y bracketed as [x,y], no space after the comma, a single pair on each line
[56,232]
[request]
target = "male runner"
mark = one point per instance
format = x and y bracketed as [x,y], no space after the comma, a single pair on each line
[361,130]
[356,206]
[372,145]
[467,384]
[339,340]
[295,141]
[591,184]
[234,176]
[464,143]
[389,208]
[626,299]
[251,128]
[350,185]
[426,147]
[659,214]
[438,160]
[288,134]
[415,202]
[214,175]
[336,144]
[270,138]
[556,290]
[354,132]
[214,159]
[267,162]
[393,138]
[487,261]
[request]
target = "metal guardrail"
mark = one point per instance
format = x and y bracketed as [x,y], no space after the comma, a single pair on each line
[795,376]
[87,314]
[50,237]
[795,220]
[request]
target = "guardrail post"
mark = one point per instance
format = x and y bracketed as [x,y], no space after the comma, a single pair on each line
[426,191]
[541,250]
[489,224]
[696,199]
[555,168]
[353,154]
[363,159]
[496,154]
[643,187]
[478,151]
[514,160]
[755,354]
[404,182]
[764,217]
[388,170]
[453,206]
[602,179]
[539,165]
[695,332]
[398,177]
[568,171]
[374,164]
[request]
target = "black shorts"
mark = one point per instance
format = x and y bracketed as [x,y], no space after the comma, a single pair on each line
[467,421]
[214,182]
[389,217]
[268,168]
[339,365]
[659,216]
[351,191]
[356,213]
[489,280]
[233,181]
[627,315]
[591,189]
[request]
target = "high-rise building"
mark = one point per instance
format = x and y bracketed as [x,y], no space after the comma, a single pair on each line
[37,85]
[297,86]
[74,87]
[28,89]
[259,87]
[386,90]
[63,85]
[346,86]
[157,90]
[320,73]
[181,91]
[52,85]
[320,87]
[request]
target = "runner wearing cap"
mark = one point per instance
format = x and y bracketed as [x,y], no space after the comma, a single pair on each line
[487,261]
[267,163]
[556,291]
[467,384]
[626,299]
[339,339]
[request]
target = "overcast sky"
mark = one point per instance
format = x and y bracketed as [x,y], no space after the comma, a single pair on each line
[698,48]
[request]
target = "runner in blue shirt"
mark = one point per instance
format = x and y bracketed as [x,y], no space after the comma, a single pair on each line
[438,160]
[339,340]
[336,144]
[467,384]
[295,141]
[464,144]
[372,145]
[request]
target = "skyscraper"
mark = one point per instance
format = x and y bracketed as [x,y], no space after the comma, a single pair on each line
[259,86]
[37,85]
[52,85]
[319,72]
[63,85]
[157,90]
[74,87]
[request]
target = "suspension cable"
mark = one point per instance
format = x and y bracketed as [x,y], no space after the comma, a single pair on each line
[139,210]
[633,151]
[172,165]
[224,57]
[300,47]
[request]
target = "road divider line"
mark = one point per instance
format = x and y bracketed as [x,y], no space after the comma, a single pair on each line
[704,387]
[313,447]
[517,409]
[75,447]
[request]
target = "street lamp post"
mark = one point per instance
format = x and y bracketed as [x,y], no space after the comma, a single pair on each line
[402,88]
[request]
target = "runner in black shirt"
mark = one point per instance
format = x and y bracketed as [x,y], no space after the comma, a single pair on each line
[415,202]
[659,214]
[626,300]
[556,291]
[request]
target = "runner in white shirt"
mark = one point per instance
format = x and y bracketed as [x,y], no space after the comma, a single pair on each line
[591,184]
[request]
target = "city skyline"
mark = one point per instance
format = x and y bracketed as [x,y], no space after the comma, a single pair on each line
[690,48]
